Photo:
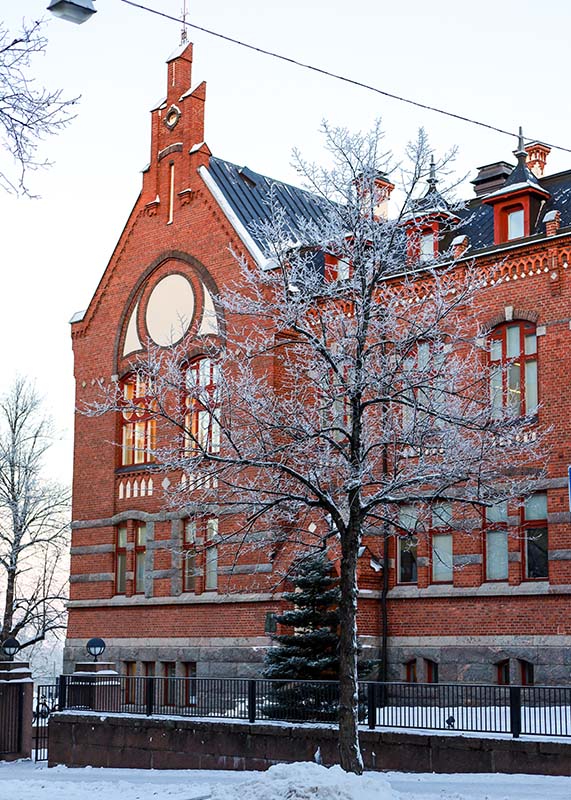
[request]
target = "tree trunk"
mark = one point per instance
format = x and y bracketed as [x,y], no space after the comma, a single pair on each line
[349,750]
[8,605]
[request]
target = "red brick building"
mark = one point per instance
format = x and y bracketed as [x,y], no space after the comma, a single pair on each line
[494,608]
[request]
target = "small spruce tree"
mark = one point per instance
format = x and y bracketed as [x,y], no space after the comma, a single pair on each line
[310,651]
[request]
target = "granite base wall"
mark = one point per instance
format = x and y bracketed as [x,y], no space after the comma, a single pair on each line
[79,740]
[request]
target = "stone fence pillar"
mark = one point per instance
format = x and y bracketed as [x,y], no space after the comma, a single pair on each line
[16,705]
[94,686]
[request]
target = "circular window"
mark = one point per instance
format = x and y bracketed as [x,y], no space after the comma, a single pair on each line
[172,117]
[170,310]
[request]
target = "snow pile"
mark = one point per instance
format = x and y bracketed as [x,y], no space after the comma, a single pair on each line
[307,781]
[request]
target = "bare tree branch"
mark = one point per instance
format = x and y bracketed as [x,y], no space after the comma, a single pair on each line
[28,113]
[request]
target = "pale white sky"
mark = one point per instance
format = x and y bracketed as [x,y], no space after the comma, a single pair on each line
[504,62]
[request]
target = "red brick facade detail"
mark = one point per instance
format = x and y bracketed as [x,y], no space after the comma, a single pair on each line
[177,226]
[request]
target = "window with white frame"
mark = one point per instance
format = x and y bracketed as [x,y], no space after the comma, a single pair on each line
[535,539]
[211,554]
[515,224]
[496,542]
[407,545]
[513,369]
[138,424]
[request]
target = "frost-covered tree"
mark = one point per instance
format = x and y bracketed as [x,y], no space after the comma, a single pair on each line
[34,522]
[28,112]
[352,384]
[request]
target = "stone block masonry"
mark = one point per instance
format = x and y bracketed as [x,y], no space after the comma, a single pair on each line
[80,740]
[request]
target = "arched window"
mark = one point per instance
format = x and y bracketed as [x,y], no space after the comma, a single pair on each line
[138,435]
[513,369]
[202,424]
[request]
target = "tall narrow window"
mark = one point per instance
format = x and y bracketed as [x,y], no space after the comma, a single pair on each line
[169,682]
[130,680]
[140,554]
[442,565]
[138,437]
[407,546]
[527,677]
[515,224]
[513,369]
[503,672]
[202,422]
[410,671]
[121,560]
[535,536]
[431,668]
[190,683]
[171,193]
[427,241]
[496,542]
[189,556]
[211,559]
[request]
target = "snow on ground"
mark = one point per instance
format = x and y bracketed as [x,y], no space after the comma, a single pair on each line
[25,780]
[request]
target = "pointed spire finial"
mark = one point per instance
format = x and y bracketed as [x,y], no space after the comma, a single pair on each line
[183,33]
[520,153]
[432,180]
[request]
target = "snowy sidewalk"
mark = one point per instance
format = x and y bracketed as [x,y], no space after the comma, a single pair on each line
[29,781]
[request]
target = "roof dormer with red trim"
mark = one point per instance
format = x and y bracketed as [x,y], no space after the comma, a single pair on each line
[518,202]
[428,221]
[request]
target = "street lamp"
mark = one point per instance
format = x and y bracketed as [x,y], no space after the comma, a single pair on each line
[95,647]
[10,647]
[72,10]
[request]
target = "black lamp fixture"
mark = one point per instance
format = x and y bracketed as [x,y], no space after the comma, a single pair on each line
[77,11]
[10,647]
[95,647]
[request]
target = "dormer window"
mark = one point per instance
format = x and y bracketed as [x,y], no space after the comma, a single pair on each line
[517,202]
[515,224]
[427,246]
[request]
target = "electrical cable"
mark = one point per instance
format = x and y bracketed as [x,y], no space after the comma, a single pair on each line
[339,77]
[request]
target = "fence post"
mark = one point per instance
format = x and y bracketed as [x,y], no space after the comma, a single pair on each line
[62,693]
[251,700]
[150,696]
[371,705]
[515,711]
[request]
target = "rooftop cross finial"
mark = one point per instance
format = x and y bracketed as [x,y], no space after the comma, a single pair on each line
[520,152]
[432,180]
[183,33]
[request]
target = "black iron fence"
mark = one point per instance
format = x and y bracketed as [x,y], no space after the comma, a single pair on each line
[46,700]
[515,710]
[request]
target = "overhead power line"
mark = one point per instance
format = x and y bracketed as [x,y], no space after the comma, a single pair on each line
[338,77]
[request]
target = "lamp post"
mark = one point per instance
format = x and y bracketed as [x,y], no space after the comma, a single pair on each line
[95,647]
[77,11]
[10,647]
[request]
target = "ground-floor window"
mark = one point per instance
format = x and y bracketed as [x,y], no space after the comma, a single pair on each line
[431,670]
[410,671]
[503,672]
[169,683]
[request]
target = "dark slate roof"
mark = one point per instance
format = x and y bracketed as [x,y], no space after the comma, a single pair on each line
[477,218]
[248,193]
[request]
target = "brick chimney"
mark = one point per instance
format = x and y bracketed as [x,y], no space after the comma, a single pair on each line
[382,189]
[459,245]
[552,222]
[537,153]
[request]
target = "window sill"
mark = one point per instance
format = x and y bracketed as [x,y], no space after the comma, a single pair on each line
[128,468]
